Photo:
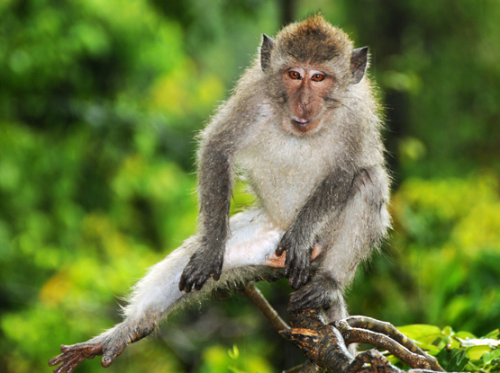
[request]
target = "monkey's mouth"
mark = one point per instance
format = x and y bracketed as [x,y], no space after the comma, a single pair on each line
[303,125]
[301,122]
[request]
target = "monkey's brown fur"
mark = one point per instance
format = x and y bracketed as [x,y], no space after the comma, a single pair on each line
[313,40]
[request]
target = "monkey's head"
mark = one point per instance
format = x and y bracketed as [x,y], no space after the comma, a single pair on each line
[308,68]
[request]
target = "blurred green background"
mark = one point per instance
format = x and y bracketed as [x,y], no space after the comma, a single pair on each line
[99,104]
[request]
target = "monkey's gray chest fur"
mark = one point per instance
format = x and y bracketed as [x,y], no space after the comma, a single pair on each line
[283,173]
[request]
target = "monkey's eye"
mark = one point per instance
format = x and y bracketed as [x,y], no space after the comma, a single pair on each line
[318,77]
[294,75]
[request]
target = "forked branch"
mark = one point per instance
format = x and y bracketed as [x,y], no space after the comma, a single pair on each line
[326,344]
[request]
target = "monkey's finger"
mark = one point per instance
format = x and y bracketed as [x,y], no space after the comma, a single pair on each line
[71,365]
[298,279]
[308,302]
[216,274]
[182,282]
[188,286]
[299,272]
[304,276]
[280,250]
[68,362]
[92,351]
[313,295]
[286,269]
[199,284]
[298,303]
[195,280]
[290,263]
[294,280]
[58,359]
[185,284]
[67,349]
[303,300]
[297,306]
[61,368]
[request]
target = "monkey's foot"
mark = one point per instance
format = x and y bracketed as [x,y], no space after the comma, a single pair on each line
[317,294]
[73,355]
[201,266]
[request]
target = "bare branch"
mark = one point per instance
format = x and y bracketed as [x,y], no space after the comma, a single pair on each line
[353,335]
[325,345]
[263,305]
[390,330]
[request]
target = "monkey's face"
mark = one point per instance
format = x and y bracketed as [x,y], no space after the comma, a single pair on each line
[306,88]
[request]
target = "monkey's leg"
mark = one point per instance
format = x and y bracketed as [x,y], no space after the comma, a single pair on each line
[349,238]
[249,251]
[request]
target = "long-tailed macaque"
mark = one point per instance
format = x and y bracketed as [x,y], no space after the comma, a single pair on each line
[304,128]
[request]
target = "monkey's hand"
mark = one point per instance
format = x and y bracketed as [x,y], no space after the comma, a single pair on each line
[73,355]
[319,293]
[201,266]
[298,257]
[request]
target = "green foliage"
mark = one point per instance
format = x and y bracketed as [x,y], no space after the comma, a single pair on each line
[443,255]
[218,359]
[99,103]
[436,63]
[456,351]
[89,181]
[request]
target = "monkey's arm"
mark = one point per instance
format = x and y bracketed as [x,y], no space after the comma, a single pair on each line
[215,180]
[348,238]
[330,196]
[225,135]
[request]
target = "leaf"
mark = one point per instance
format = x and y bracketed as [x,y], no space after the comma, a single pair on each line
[493,334]
[476,352]
[465,335]
[430,348]
[470,367]
[452,360]
[417,331]
[234,353]
[448,331]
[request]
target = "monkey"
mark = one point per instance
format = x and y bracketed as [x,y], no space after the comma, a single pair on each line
[302,127]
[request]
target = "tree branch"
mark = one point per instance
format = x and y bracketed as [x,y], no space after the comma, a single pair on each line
[326,345]
[254,294]
[384,335]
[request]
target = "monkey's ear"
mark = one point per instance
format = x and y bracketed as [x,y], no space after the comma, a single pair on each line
[359,60]
[265,52]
